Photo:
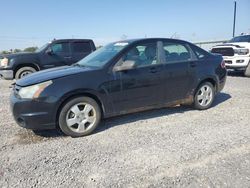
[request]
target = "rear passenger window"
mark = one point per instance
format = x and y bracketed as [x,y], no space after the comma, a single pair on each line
[200,53]
[175,53]
[81,47]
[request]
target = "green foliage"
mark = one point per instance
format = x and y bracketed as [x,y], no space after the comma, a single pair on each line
[17,50]
[30,49]
[5,52]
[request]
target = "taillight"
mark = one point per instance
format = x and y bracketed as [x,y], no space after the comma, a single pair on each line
[223,65]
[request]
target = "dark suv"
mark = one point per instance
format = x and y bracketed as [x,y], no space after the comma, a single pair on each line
[54,54]
[120,78]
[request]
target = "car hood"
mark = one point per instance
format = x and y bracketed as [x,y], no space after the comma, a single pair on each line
[51,74]
[18,55]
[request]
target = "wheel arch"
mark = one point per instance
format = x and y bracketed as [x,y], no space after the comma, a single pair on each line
[71,96]
[21,65]
[208,79]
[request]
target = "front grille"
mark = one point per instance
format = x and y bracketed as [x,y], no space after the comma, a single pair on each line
[228,62]
[224,51]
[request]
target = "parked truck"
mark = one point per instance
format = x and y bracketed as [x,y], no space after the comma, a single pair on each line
[56,53]
[236,53]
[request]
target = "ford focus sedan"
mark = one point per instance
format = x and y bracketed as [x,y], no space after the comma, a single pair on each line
[120,78]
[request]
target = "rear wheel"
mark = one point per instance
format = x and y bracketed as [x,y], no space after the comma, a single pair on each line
[247,71]
[24,71]
[204,96]
[79,117]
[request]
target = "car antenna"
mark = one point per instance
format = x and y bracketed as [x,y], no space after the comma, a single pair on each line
[173,35]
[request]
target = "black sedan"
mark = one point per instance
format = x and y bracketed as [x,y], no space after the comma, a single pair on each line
[119,78]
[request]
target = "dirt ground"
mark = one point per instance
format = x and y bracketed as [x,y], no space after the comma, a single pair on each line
[171,147]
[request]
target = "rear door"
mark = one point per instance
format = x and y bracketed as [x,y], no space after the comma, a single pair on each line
[179,70]
[80,49]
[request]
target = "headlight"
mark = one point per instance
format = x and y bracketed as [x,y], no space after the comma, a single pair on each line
[34,91]
[4,62]
[241,51]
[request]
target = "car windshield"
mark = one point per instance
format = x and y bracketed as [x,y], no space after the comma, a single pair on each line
[42,48]
[101,56]
[245,38]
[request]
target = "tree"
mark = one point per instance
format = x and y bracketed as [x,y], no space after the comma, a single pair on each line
[5,52]
[30,49]
[17,50]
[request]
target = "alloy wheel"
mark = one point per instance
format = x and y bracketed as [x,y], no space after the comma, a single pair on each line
[81,117]
[205,95]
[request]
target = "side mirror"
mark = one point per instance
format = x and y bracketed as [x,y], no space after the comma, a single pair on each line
[126,65]
[49,51]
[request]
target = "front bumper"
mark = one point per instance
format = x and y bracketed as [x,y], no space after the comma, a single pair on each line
[7,74]
[236,62]
[30,114]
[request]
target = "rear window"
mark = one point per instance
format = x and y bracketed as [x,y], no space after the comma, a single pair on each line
[81,47]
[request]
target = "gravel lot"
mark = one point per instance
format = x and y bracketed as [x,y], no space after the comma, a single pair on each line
[172,147]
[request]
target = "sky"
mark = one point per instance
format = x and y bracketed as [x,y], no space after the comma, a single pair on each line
[34,23]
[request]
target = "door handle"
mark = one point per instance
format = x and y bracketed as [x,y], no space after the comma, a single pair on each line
[193,64]
[153,70]
[67,57]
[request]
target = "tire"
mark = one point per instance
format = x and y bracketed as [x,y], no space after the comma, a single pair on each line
[79,117]
[205,100]
[24,71]
[247,71]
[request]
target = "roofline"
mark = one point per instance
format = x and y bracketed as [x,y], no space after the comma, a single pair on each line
[72,40]
[145,39]
[245,34]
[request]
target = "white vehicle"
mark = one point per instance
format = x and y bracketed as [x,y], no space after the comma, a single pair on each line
[236,53]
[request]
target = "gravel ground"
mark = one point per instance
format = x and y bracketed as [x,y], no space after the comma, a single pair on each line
[172,147]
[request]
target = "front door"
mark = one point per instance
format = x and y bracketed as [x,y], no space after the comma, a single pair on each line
[59,55]
[140,86]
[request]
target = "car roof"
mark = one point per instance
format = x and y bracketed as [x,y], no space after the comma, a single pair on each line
[149,39]
[243,35]
[72,40]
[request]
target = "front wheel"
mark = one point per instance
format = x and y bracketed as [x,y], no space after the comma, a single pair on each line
[24,71]
[79,117]
[204,96]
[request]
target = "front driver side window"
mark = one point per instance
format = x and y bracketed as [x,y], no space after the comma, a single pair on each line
[142,55]
[60,48]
